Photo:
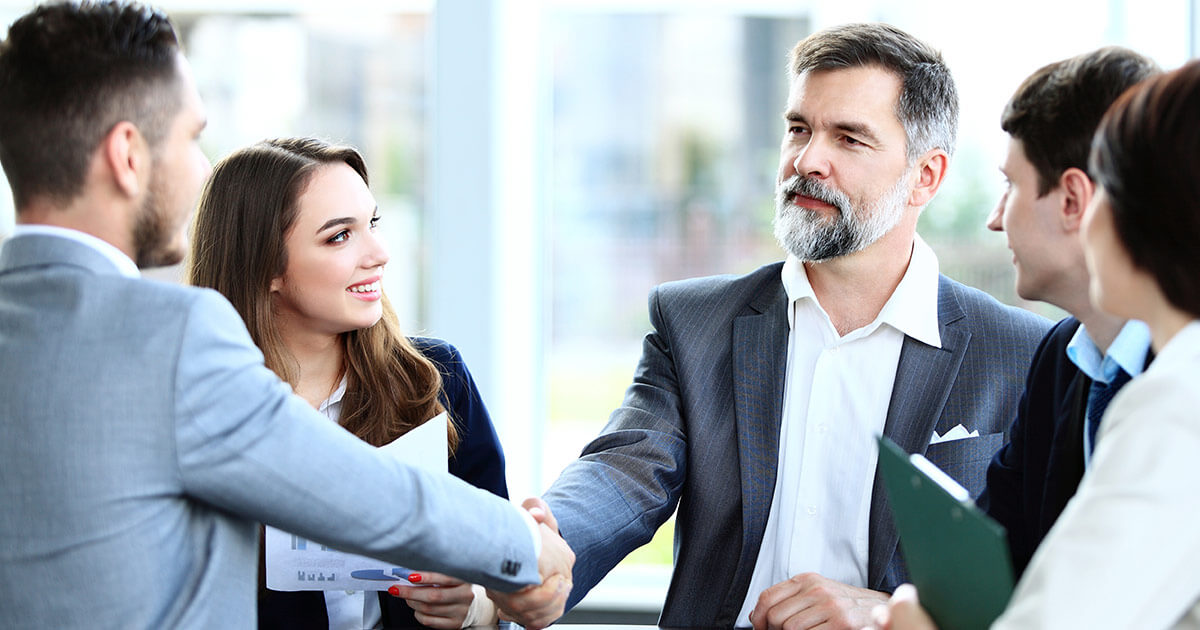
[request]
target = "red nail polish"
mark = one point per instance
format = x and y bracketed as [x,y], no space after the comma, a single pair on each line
[414,577]
[394,590]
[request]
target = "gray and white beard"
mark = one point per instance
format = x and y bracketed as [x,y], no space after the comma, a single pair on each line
[812,238]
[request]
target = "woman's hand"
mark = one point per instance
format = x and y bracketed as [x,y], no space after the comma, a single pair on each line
[445,602]
[902,612]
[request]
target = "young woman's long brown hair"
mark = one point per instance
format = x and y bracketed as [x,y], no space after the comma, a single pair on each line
[247,208]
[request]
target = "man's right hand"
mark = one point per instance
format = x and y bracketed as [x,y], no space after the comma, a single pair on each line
[536,607]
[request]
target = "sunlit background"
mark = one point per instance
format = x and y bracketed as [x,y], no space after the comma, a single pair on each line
[541,164]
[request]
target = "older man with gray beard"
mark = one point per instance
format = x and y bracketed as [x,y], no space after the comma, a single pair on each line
[757,400]
[813,238]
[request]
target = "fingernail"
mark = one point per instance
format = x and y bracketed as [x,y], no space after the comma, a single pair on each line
[414,577]
[394,590]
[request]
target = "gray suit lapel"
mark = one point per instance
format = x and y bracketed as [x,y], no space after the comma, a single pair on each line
[759,356]
[924,377]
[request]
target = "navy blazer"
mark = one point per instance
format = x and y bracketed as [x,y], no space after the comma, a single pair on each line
[1031,479]
[479,461]
[699,429]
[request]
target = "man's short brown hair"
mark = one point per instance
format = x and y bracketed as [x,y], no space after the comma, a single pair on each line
[71,71]
[1056,110]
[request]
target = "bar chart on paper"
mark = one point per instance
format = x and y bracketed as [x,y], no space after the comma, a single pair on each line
[297,564]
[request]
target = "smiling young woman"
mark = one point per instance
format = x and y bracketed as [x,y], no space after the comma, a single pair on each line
[285,230]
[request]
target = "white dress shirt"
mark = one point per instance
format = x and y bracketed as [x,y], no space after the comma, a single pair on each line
[348,610]
[1125,550]
[835,403]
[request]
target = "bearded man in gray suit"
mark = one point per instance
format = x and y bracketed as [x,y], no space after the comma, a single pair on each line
[141,436]
[758,398]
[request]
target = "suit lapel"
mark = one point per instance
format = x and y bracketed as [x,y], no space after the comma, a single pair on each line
[759,356]
[924,378]
[1074,408]
[1062,478]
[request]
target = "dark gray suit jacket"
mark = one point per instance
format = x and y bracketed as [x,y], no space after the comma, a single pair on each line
[699,428]
[141,438]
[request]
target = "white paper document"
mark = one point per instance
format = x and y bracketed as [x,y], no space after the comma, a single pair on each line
[296,564]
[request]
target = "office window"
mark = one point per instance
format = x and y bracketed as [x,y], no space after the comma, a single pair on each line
[620,145]
[355,77]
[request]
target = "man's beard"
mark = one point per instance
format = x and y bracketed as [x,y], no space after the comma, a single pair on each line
[812,238]
[153,236]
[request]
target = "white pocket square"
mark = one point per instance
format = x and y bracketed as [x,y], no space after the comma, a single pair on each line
[959,432]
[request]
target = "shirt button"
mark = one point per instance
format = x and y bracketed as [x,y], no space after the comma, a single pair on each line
[821,428]
[811,510]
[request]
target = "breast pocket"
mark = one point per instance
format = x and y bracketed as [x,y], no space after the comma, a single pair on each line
[966,460]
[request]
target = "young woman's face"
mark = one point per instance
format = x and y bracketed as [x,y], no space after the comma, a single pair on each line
[335,261]
[1117,286]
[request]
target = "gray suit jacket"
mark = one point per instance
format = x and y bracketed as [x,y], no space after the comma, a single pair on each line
[700,427]
[141,438]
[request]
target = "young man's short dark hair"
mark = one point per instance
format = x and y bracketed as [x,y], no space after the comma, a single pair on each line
[68,73]
[1056,110]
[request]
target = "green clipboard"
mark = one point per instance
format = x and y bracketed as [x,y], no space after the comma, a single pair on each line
[957,556]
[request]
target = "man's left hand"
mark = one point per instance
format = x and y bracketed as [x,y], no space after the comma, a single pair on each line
[809,600]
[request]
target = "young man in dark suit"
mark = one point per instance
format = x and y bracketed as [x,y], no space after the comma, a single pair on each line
[1088,356]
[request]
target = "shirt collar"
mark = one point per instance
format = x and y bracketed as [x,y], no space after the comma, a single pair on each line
[912,307]
[1128,351]
[123,263]
[335,398]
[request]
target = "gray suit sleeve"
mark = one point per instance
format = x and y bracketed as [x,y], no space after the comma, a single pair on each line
[247,445]
[627,481]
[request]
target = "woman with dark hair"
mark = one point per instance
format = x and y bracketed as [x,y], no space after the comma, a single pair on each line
[1124,553]
[285,229]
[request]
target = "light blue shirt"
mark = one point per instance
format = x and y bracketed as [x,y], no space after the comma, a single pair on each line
[1128,351]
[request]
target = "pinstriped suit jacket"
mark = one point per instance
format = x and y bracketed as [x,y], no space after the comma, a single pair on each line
[699,427]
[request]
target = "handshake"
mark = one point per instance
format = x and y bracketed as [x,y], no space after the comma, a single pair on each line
[457,604]
[538,606]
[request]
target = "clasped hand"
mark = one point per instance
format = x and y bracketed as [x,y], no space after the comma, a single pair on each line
[536,607]
[810,600]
